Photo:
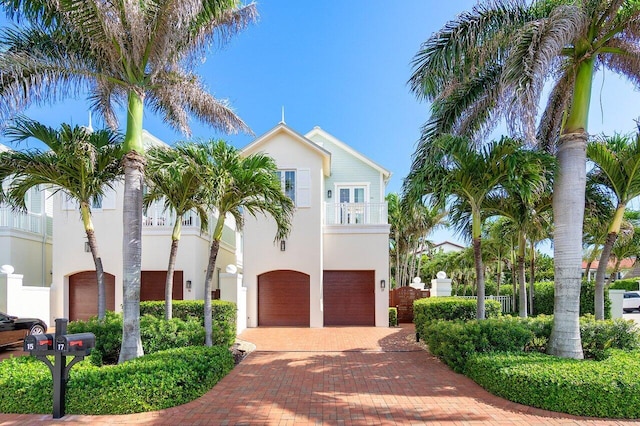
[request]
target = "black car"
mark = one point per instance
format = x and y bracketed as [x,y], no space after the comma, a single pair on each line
[14,329]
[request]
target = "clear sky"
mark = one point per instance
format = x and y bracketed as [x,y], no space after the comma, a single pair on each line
[343,66]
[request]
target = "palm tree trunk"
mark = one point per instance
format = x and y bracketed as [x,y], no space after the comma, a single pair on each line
[568,214]
[522,296]
[208,322]
[587,270]
[85,212]
[168,286]
[533,276]
[477,254]
[133,163]
[600,274]
[614,273]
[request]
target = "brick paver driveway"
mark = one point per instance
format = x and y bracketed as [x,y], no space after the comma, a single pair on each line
[337,376]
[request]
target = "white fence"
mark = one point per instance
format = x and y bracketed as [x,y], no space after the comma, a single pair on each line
[506,302]
[355,213]
[23,301]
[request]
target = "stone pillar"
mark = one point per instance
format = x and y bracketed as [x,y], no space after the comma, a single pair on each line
[441,285]
[616,297]
[231,290]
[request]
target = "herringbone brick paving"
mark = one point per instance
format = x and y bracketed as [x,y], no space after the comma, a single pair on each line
[336,376]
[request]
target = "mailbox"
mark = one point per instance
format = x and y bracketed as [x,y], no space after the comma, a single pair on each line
[39,343]
[76,344]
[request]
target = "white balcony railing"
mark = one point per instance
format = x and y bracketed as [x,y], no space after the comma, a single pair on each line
[157,217]
[30,222]
[356,213]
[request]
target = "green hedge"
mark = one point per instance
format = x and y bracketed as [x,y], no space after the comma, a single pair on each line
[393,317]
[449,308]
[608,388]
[544,296]
[152,382]
[628,285]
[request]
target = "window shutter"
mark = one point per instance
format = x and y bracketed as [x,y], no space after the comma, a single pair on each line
[304,188]
[109,200]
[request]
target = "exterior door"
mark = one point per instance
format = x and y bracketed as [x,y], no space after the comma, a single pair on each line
[283,299]
[152,285]
[352,207]
[83,294]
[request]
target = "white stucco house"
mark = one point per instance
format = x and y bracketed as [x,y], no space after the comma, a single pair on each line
[73,289]
[333,269]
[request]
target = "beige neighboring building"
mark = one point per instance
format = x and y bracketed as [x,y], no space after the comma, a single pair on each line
[74,288]
[333,269]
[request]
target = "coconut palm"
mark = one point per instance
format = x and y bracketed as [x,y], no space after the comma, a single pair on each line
[243,185]
[458,175]
[178,178]
[493,62]
[617,170]
[132,52]
[79,163]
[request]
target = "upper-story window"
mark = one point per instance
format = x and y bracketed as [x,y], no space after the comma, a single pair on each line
[288,183]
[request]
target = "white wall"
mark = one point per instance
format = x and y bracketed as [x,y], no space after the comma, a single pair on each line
[365,250]
[303,246]
[24,301]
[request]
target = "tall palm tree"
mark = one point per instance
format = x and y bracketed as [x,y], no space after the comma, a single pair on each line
[133,52]
[79,163]
[178,177]
[617,170]
[493,62]
[458,175]
[242,185]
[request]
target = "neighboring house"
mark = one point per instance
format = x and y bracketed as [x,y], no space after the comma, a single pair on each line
[74,287]
[625,270]
[26,238]
[333,269]
[447,247]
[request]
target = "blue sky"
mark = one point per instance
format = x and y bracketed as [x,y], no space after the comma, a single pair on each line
[343,66]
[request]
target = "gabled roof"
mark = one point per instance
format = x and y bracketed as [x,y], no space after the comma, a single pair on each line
[318,131]
[283,128]
[150,141]
[626,263]
[448,243]
[4,148]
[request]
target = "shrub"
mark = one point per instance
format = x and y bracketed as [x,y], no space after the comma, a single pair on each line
[159,334]
[608,388]
[544,295]
[455,341]
[223,313]
[449,308]
[393,317]
[152,382]
[108,337]
[628,285]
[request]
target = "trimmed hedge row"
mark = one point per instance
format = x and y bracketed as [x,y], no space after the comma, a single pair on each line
[393,317]
[449,308]
[628,285]
[223,314]
[152,382]
[608,388]
[545,292]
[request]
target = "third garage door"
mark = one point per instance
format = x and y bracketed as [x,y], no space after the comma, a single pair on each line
[283,299]
[349,297]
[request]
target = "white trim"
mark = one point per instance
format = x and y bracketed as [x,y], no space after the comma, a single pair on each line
[356,229]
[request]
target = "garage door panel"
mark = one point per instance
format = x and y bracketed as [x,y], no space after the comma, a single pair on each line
[83,295]
[152,285]
[283,299]
[349,297]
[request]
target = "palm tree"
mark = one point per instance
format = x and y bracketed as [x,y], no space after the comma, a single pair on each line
[177,177]
[457,172]
[493,62]
[132,52]
[242,185]
[617,170]
[79,163]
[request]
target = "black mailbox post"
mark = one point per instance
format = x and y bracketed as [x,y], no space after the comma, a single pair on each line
[60,346]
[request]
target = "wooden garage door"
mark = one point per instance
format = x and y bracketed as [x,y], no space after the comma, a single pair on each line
[283,299]
[83,294]
[152,285]
[349,297]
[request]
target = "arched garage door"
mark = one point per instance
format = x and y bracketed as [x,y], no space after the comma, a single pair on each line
[349,298]
[83,294]
[283,299]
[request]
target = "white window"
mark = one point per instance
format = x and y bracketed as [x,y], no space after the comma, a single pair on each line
[288,183]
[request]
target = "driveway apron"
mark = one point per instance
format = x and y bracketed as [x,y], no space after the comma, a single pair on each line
[337,376]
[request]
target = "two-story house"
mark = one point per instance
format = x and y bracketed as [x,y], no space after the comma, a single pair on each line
[74,286]
[333,269]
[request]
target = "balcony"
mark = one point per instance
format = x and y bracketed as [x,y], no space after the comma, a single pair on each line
[349,214]
[35,223]
[156,217]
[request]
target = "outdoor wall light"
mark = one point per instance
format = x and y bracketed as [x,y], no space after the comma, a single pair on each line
[383,284]
[189,285]
[283,245]
[329,193]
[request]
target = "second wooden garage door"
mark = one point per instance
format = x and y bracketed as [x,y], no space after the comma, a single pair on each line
[283,299]
[152,285]
[349,297]
[83,294]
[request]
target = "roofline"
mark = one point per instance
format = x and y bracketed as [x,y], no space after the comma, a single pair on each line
[317,130]
[282,127]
